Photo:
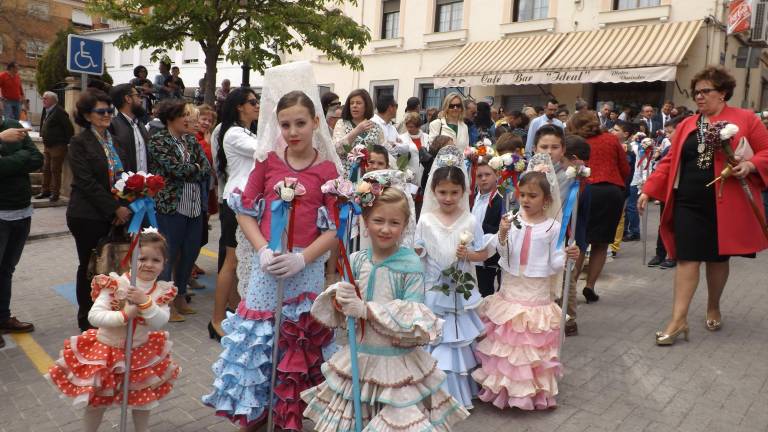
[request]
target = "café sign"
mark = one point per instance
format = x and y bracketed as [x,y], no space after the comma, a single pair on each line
[656,73]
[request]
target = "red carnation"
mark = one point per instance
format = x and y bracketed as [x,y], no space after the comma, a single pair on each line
[155,184]
[135,183]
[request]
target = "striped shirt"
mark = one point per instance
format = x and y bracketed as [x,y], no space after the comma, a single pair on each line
[190,202]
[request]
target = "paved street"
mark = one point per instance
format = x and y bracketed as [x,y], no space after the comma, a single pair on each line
[615,377]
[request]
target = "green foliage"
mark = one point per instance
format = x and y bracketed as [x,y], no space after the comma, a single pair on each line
[52,66]
[462,282]
[256,32]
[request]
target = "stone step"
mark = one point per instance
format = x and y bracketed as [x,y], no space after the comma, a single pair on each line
[36,178]
[46,203]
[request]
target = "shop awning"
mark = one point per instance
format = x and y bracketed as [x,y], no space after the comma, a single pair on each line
[620,54]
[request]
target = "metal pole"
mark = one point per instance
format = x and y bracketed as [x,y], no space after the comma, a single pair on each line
[83,82]
[275,342]
[352,336]
[569,264]
[128,343]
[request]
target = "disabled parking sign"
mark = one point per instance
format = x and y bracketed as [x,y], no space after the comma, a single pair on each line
[85,55]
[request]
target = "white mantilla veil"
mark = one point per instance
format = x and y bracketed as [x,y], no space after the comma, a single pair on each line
[447,156]
[396,179]
[278,81]
[543,163]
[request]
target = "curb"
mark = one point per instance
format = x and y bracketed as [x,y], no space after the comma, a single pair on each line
[43,236]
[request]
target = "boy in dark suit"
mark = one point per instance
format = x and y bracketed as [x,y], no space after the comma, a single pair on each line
[487,210]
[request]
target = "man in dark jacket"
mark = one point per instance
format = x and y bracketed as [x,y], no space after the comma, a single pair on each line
[18,158]
[56,131]
[129,134]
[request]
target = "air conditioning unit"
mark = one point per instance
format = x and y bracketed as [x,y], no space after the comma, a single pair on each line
[759,20]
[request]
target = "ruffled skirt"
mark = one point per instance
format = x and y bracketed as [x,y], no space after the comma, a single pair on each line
[92,373]
[242,383]
[400,391]
[518,356]
[454,353]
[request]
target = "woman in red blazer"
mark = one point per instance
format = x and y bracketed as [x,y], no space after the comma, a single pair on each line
[707,224]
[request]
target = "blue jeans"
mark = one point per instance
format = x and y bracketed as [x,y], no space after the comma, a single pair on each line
[183,235]
[13,235]
[632,218]
[12,109]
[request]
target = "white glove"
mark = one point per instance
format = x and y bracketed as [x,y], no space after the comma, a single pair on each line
[286,265]
[266,256]
[351,304]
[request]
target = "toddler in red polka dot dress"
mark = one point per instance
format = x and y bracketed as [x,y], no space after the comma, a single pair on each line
[91,366]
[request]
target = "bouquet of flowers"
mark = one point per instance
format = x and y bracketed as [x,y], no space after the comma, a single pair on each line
[289,188]
[457,281]
[283,212]
[509,166]
[368,189]
[578,171]
[132,186]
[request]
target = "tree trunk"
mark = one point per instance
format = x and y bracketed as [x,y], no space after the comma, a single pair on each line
[211,59]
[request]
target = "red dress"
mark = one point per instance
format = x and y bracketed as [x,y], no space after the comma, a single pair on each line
[738,231]
[90,369]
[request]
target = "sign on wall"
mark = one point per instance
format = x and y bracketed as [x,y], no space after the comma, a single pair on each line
[627,75]
[739,16]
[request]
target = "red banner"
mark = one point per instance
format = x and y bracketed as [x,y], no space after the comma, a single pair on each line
[739,16]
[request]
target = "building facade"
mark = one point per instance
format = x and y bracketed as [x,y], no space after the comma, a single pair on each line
[28,27]
[190,60]
[524,51]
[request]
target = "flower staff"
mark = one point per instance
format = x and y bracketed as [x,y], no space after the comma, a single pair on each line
[357,156]
[281,235]
[343,211]
[471,154]
[725,131]
[509,166]
[138,189]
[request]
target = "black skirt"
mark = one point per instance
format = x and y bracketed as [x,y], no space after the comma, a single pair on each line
[604,212]
[695,211]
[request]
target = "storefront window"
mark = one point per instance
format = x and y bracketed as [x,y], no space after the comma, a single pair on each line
[634,4]
[448,15]
[432,97]
[527,10]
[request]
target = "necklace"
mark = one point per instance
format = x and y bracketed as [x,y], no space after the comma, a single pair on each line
[706,149]
[701,131]
[285,158]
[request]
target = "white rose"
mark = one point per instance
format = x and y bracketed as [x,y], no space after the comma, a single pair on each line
[728,131]
[287,194]
[570,172]
[765,114]
[465,237]
[120,185]
[496,162]
[508,158]
[586,172]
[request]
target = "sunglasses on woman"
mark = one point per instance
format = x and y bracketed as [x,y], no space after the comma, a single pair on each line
[454,106]
[103,111]
[253,102]
[703,92]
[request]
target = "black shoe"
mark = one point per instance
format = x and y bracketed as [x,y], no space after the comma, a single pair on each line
[2,341]
[630,238]
[668,264]
[212,333]
[43,195]
[53,198]
[590,295]
[655,261]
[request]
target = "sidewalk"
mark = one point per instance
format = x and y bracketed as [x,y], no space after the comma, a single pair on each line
[48,222]
[615,378]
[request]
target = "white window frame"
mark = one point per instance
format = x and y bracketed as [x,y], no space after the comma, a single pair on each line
[383,83]
[634,4]
[456,10]
[39,9]
[392,18]
[190,53]
[35,48]
[124,56]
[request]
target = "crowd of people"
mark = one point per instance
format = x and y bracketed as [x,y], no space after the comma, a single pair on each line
[469,215]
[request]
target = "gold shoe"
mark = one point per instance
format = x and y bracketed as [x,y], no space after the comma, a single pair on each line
[175,317]
[669,339]
[186,310]
[713,325]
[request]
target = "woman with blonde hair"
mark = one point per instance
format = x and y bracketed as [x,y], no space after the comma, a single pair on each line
[452,123]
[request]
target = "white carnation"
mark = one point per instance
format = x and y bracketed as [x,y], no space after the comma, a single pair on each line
[728,131]
[496,162]
[570,172]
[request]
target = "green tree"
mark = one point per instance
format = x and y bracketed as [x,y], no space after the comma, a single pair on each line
[52,66]
[255,32]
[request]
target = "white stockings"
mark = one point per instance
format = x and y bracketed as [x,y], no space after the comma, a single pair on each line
[93,417]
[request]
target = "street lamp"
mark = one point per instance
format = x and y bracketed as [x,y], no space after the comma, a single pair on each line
[246,66]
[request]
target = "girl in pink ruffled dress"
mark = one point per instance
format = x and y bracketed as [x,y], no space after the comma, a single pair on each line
[519,354]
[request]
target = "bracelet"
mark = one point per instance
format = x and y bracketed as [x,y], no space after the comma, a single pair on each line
[145,305]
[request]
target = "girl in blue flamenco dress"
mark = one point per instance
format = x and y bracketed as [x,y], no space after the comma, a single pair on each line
[291,170]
